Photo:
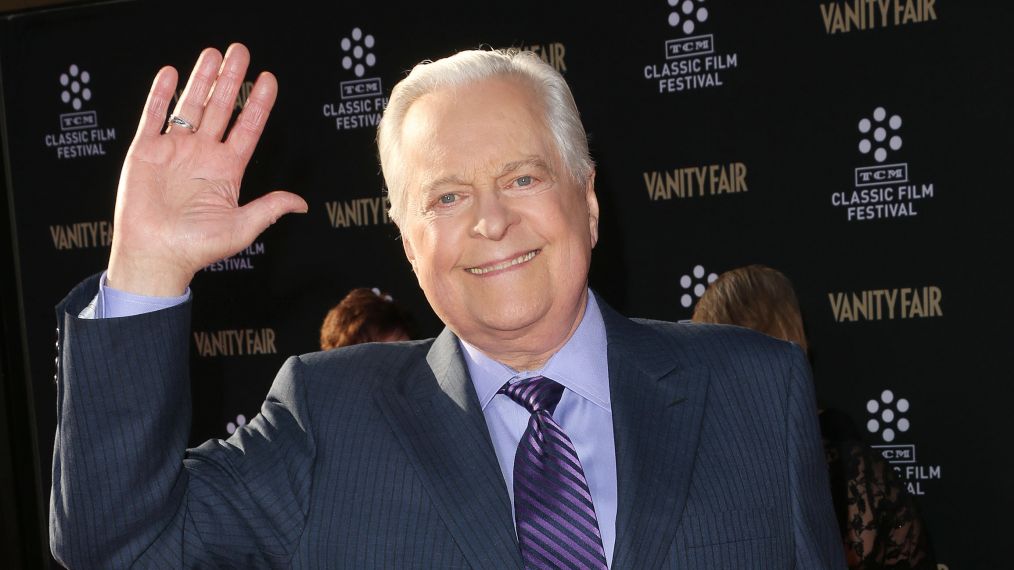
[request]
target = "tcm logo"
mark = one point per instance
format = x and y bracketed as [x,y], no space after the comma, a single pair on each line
[686,15]
[358,57]
[360,88]
[698,45]
[77,121]
[887,174]
[75,92]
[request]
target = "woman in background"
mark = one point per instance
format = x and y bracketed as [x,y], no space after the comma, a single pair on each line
[364,315]
[879,522]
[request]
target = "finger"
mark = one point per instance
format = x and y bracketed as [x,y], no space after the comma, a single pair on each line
[191,103]
[264,211]
[250,123]
[222,100]
[161,93]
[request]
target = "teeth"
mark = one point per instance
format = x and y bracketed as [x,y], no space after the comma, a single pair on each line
[503,265]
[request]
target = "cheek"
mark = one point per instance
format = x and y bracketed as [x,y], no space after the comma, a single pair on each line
[570,223]
[437,251]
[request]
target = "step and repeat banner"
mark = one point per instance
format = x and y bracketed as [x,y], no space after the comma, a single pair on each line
[862,147]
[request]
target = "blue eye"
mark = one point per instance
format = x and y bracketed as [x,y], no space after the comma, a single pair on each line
[524,181]
[448,198]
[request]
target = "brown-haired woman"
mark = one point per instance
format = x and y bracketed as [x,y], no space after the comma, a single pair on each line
[364,315]
[880,525]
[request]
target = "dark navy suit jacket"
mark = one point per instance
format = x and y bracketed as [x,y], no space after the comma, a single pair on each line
[378,456]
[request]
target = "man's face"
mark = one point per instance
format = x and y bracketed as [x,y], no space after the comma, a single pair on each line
[498,233]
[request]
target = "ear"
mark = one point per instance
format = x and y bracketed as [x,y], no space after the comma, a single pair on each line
[593,208]
[409,253]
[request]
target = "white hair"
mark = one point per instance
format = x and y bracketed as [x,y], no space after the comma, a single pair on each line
[462,68]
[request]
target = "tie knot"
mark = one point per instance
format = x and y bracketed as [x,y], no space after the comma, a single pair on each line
[536,394]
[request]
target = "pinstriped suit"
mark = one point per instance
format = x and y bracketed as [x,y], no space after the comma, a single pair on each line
[378,456]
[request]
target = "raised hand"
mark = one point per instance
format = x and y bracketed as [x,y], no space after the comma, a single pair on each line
[177,204]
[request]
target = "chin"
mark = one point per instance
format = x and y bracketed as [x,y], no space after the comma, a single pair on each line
[513,317]
[507,315]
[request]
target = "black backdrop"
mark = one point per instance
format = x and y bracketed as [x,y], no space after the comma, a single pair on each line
[738,141]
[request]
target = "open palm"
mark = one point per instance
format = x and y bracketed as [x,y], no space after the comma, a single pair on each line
[177,205]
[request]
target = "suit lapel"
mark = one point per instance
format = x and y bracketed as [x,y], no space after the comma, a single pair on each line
[658,403]
[437,418]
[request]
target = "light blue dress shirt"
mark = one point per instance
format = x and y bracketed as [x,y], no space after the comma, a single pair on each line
[584,411]
[110,303]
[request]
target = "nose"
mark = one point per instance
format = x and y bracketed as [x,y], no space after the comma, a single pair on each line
[494,216]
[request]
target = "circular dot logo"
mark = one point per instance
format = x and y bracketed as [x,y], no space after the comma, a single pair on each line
[694,285]
[886,416]
[75,87]
[687,14]
[357,56]
[231,427]
[879,134]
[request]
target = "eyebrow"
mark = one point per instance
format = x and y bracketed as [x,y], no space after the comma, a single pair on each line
[431,187]
[535,161]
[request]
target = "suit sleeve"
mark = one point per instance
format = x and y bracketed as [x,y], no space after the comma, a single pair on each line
[815,531]
[126,490]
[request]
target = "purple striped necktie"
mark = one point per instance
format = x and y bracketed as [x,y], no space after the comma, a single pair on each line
[553,507]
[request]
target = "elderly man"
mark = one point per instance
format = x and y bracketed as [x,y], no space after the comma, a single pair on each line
[540,429]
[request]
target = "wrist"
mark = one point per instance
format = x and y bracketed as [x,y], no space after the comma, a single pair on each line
[146,276]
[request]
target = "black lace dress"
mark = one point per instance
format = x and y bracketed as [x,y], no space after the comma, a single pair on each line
[879,521]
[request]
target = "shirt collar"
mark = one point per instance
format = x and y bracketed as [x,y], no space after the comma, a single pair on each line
[581,365]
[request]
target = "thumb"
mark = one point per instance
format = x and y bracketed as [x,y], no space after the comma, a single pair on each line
[257,215]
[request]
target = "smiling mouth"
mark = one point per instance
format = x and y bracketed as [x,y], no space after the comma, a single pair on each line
[525,258]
